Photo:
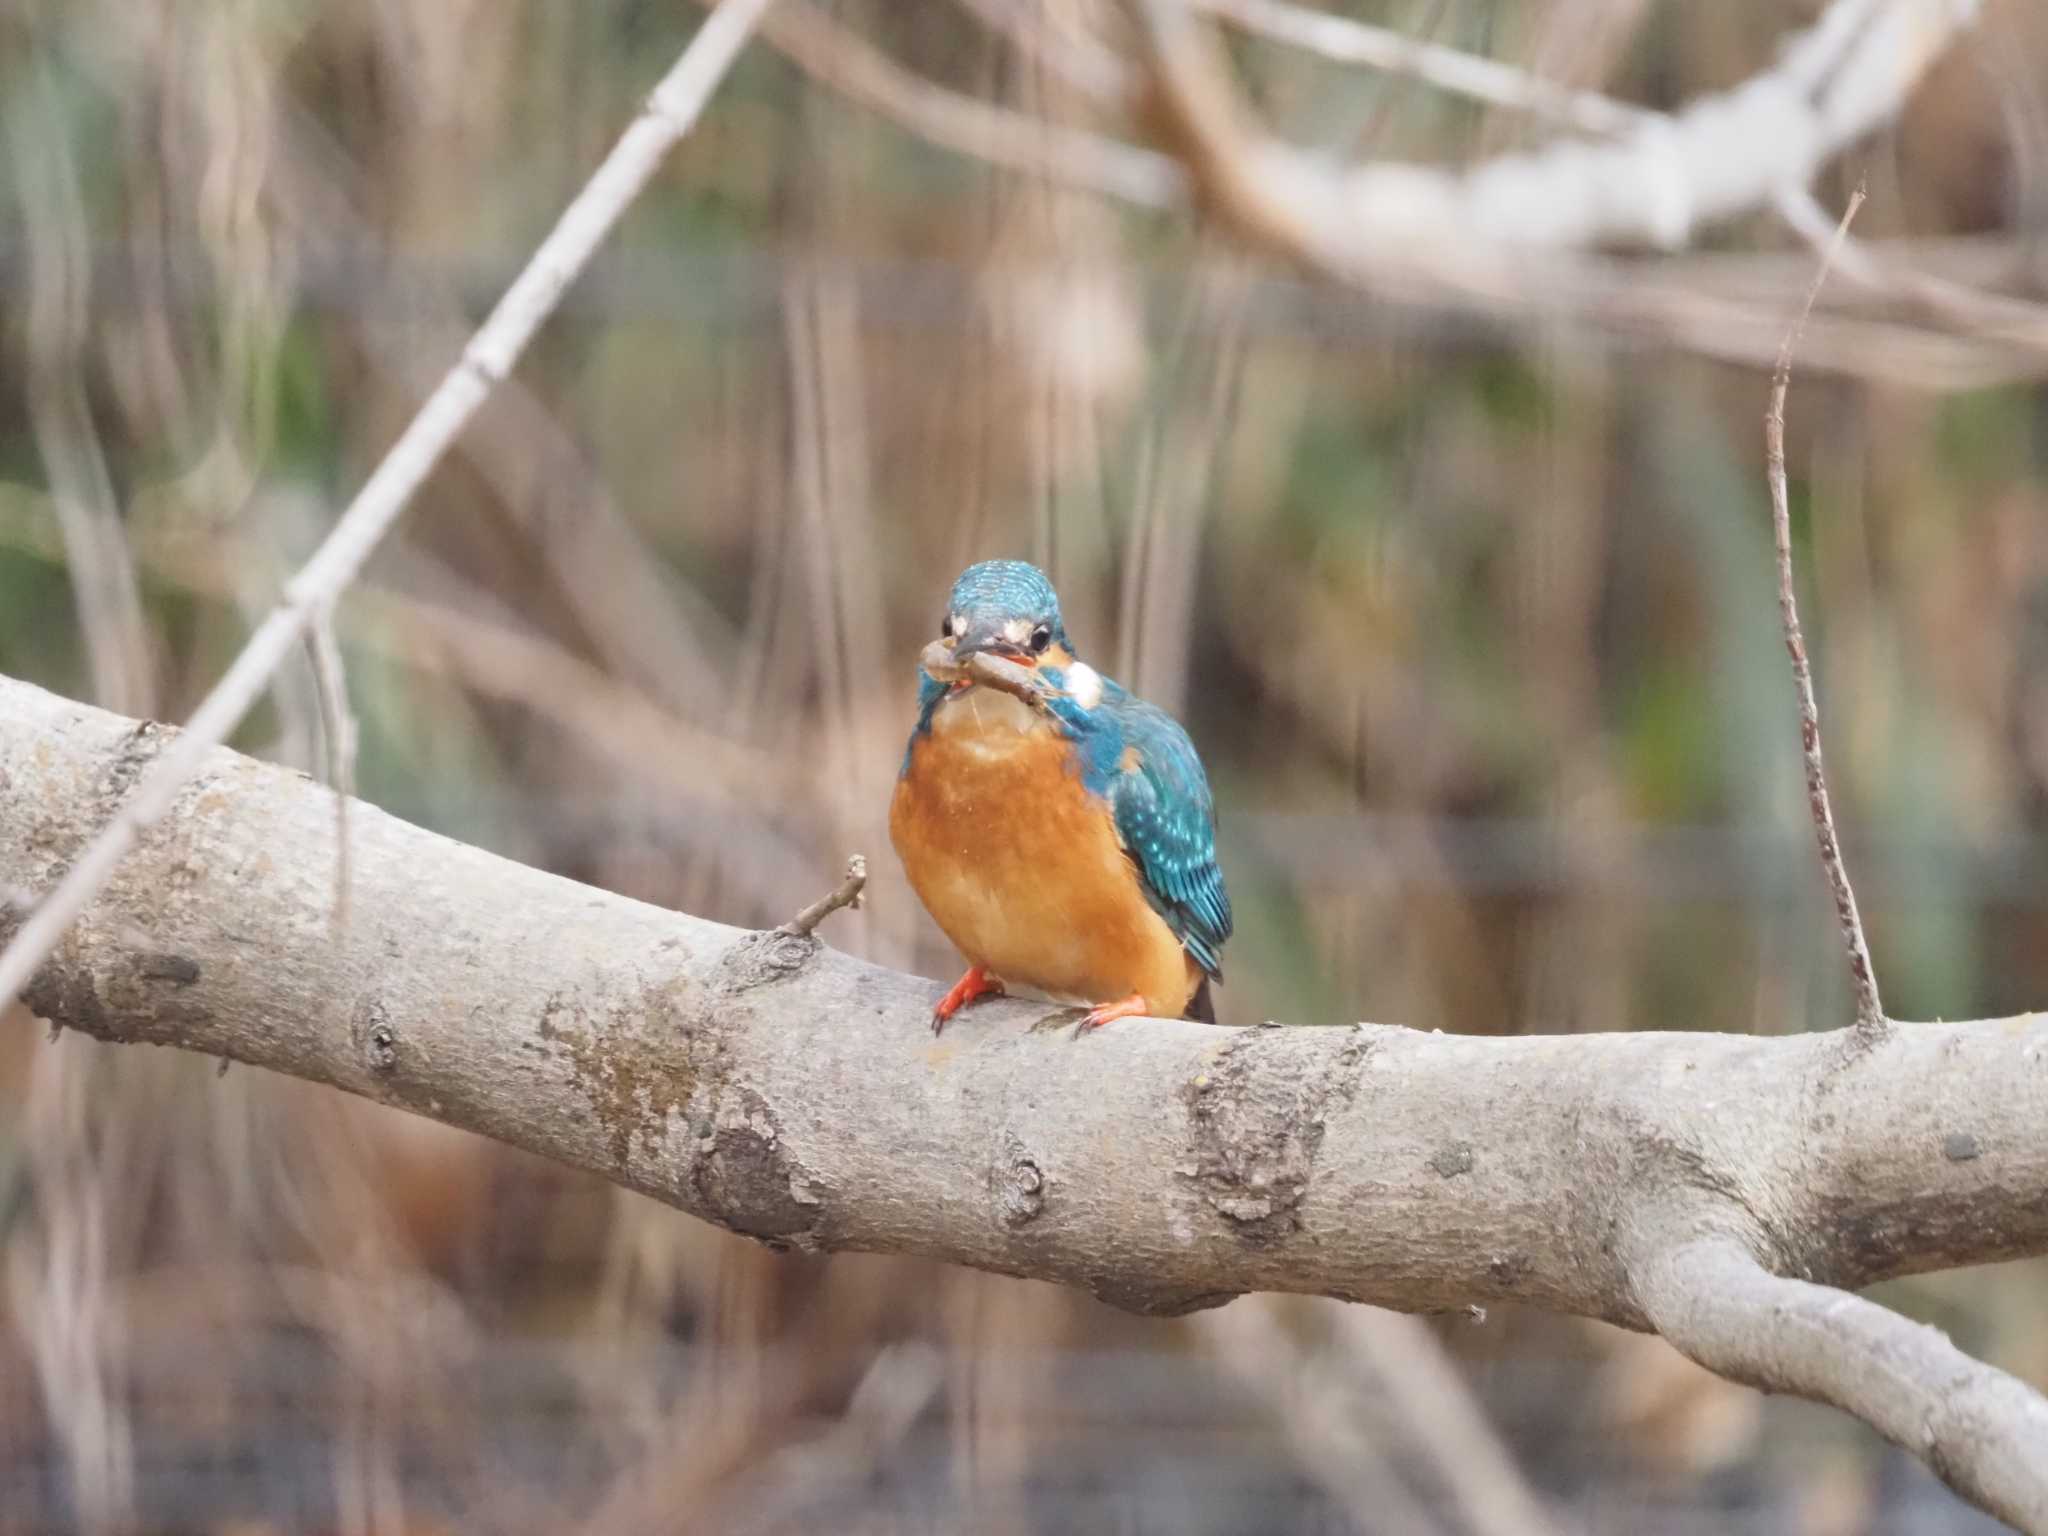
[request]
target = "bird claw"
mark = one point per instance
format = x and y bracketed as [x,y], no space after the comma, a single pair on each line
[1130,1007]
[976,983]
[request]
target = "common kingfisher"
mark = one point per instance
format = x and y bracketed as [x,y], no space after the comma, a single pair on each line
[1063,835]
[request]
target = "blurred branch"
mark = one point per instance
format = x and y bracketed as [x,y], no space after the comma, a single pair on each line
[1324,1427]
[1659,1181]
[1046,33]
[57,312]
[1656,181]
[1655,184]
[602,564]
[1507,239]
[843,60]
[1444,1419]
[670,112]
[1727,304]
[1314,1389]
[1343,40]
[1862,974]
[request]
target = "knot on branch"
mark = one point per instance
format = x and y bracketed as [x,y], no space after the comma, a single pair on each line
[376,1038]
[1256,1120]
[761,959]
[747,1178]
[1017,1184]
[1453,1160]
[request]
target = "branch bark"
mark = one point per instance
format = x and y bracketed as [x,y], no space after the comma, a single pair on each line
[777,1088]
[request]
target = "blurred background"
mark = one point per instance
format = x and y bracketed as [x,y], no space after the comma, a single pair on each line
[1472,620]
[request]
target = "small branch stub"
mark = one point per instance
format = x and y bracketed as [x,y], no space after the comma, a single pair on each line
[848,895]
[1869,1008]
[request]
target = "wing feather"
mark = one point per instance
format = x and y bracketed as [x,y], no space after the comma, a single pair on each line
[1167,820]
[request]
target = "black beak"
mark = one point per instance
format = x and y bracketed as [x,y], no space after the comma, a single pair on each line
[987,638]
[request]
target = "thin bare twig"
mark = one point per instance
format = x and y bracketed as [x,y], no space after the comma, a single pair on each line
[670,112]
[847,895]
[1956,306]
[1869,1009]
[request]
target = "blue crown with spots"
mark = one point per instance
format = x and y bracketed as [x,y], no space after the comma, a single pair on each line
[1012,588]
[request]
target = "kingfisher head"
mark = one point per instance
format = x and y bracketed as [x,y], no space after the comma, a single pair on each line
[1007,608]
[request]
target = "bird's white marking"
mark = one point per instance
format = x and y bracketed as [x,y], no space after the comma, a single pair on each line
[1084,685]
[1017,631]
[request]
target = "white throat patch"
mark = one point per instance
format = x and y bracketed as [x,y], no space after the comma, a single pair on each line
[1084,685]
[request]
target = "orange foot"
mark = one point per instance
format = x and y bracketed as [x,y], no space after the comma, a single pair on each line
[976,983]
[1122,1008]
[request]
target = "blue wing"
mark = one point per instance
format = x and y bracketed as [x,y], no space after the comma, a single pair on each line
[1167,820]
[929,691]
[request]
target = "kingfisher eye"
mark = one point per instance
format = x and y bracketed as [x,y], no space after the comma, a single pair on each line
[1041,637]
[946,627]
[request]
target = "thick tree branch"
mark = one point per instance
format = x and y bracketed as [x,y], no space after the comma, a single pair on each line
[768,1084]
[1983,1432]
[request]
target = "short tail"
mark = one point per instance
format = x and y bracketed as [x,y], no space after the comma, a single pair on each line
[1201,1007]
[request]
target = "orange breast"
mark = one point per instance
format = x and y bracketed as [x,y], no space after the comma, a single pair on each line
[1021,866]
